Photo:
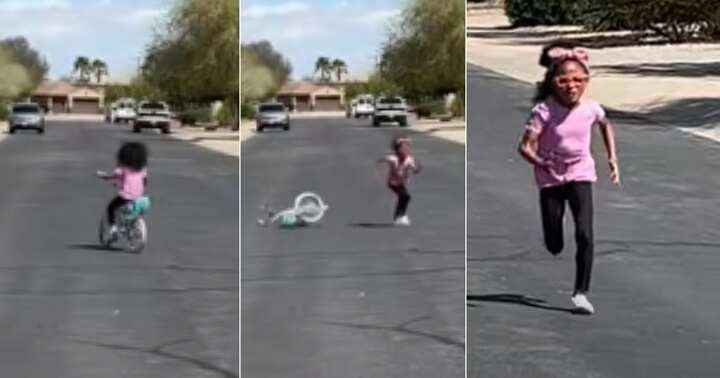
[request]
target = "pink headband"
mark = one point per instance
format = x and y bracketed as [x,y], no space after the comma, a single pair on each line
[558,55]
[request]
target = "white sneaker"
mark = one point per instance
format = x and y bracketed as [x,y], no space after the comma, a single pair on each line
[402,221]
[582,304]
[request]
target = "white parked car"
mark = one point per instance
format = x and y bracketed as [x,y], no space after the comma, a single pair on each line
[122,111]
[152,114]
[364,107]
[390,109]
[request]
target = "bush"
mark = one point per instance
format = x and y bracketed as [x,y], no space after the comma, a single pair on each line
[193,116]
[458,106]
[3,110]
[428,109]
[673,20]
[544,12]
[247,111]
[226,114]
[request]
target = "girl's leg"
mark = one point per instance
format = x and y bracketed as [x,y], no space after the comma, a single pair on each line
[112,207]
[581,204]
[552,209]
[403,200]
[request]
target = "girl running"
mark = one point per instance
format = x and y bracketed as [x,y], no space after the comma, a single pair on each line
[401,164]
[557,143]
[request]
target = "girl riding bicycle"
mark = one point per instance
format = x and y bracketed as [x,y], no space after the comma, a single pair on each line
[130,178]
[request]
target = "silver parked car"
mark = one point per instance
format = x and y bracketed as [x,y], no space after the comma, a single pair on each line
[26,116]
[272,114]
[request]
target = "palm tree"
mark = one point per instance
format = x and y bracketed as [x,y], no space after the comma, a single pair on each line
[339,67]
[322,65]
[83,67]
[99,69]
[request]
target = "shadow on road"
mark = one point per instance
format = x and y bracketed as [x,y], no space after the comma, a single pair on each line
[699,112]
[97,248]
[520,299]
[373,224]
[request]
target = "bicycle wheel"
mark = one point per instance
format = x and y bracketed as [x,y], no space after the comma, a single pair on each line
[310,207]
[137,236]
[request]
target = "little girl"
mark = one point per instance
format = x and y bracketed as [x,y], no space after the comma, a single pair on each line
[130,178]
[557,143]
[401,164]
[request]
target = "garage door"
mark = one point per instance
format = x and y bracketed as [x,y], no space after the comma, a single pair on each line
[86,106]
[303,104]
[327,103]
[58,105]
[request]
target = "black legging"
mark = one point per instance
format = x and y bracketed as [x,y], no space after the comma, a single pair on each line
[112,207]
[403,199]
[552,206]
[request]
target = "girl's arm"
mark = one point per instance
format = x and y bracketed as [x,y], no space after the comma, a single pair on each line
[608,136]
[528,149]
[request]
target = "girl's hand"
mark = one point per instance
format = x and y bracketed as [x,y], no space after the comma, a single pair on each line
[614,171]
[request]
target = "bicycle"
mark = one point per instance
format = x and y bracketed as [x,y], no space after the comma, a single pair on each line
[308,208]
[131,228]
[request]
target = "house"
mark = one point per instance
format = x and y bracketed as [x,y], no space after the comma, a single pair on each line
[64,97]
[306,96]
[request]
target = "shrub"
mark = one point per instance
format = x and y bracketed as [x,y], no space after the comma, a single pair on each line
[3,110]
[193,116]
[428,109]
[458,106]
[247,111]
[226,114]
[544,12]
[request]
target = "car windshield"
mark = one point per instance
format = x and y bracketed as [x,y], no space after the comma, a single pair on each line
[153,106]
[272,108]
[391,100]
[26,109]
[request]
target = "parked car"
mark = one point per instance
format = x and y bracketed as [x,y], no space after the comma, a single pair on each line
[152,115]
[122,111]
[272,114]
[26,115]
[364,107]
[390,109]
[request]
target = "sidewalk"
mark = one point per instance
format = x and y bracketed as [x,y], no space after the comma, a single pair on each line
[3,130]
[224,140]
[453,130]
[676,85]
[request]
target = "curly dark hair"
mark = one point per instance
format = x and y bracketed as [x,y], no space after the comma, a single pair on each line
[397,141]
[133,155]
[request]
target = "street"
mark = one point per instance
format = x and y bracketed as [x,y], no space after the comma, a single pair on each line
[656,245]
[71,309]
[352,296]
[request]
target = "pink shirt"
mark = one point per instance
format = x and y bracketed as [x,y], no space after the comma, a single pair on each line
[564,140]
[130,184]
[400,171]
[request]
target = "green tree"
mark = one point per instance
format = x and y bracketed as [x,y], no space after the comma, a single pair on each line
[83,68]
[14,78]
[424,53]
[263,53]
[257,80]
[31,60]
[195,58]
[99,69]
[323,66]
[339,68]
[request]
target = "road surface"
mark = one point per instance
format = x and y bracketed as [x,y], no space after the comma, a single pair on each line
[657,266]
[353,296]
[71,309]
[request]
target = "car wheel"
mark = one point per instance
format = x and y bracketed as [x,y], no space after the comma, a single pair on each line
[166,130]
[376,123]
[403,123]
[41,131]
[286,127]
[136,129]
[11,130]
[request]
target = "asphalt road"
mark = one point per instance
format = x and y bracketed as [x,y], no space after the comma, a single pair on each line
[71,309]
[353,296]
[657,266]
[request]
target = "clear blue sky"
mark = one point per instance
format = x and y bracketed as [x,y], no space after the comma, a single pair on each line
[303,30]
[116,31]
